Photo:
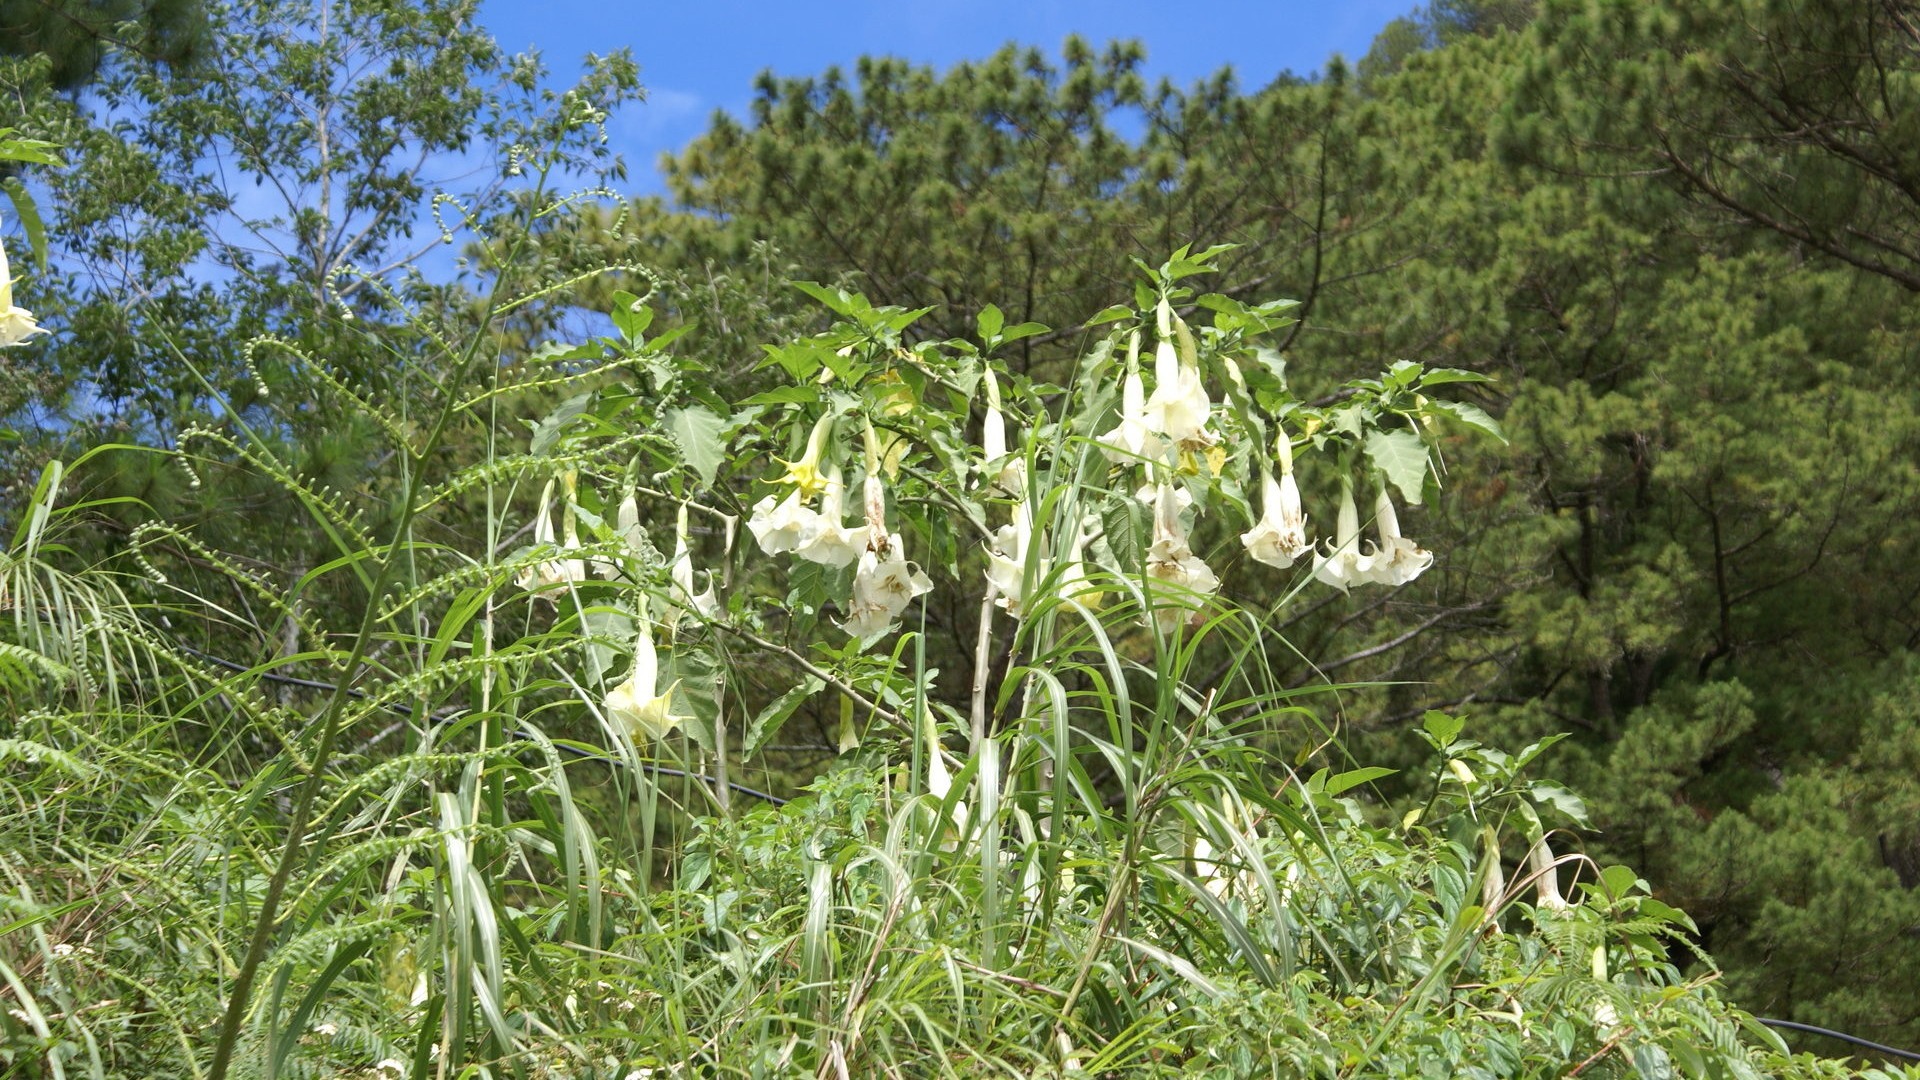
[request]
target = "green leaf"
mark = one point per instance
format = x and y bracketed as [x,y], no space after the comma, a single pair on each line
[1442,727]
[840,301]
[28,212]
[786,395]
[1403,457]
[1551,794]
[1472,415]
[1113,314]
[1354,778]
[697,432]
[1125,521]
[766,724]
[1618,881]
[632,317]
[1022,330]
[990,322]
[1442,376]
[549,430]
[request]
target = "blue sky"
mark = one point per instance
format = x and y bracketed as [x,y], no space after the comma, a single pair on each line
[699,56]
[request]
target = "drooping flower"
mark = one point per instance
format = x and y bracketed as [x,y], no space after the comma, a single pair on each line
[1185,578]
[827,539]
[1280,536]
[805,474]
[1345,565]
[1131,439]
[781,526]
[1009,471]
[547,578]
[633,704]
[883,586]
[885,582]
[680,574]
[1399,559]
[1007,560]
[16,323]
[1179,408]
[1076,587]
[627,528]
[1545,869]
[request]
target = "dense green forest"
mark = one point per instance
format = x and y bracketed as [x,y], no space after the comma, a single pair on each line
[410,652]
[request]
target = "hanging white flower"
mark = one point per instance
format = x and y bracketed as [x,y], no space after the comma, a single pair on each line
[1280,536]
[1399,560]
[885,582]
[883,586]
[1131,440]
[1179,408]
[1345,565]
[783,525]
[1076,588]
[627,528]
[1009,471]
[680,574]
[16,323]
[547,578]
[1007,560]
[1182,580]
[827,539]
[633,704]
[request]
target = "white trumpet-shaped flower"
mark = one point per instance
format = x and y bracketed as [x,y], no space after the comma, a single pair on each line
[1280,536]
[883,586]
[1345,565]
[827,539]
[633,704]
[1007,560]
[16,323]
[1131,439]
[1171,563]
[781,525]
[885,582]
[1399,560]
[1009,471]
[1545,869]
[546,578]
[627,528]
[1179,408]
[680,573]
[1075,587]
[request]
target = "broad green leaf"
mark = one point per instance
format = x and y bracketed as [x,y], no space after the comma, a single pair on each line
[1403,457]
[698,433]
[1355,777]
[1472,415]
[548,431]
[766,723]
[990,322]
[1442,727]
[1022,330]
[1125,521]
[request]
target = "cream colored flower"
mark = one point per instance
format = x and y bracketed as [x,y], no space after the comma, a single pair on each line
[627,528]
[883,586]
[827,539]
[1280,537]
[1076,587]
[16,323]
[1345,565]
[1182,580]
[1179,408]
[1399,560]
[1131,440]
[805,474]
[680,574]
[781,526]
[548,578]
[885,583]
[633,704]
[1007,560]
[1009,471]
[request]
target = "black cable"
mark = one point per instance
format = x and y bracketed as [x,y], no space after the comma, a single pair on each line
[1811,1029]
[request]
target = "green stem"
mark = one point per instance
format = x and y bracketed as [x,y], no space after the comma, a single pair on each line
[267,921]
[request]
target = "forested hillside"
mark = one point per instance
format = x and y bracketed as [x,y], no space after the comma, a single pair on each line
[422,652]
